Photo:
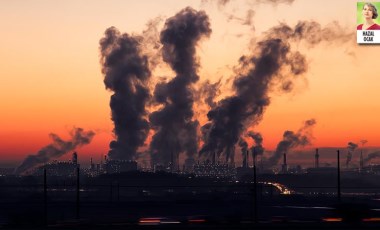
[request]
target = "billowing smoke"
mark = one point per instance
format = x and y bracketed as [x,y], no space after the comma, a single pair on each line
[257,149]
[209,91]
[150,44]
[291,140]
[58,147]
[311,32]
[371,156]
[351,148]
[272,63]
[175,129]
[247,19]
[126,73]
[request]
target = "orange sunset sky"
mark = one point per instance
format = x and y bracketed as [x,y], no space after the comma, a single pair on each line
[51,80]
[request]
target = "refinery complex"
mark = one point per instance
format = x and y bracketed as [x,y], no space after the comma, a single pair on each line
[211,168]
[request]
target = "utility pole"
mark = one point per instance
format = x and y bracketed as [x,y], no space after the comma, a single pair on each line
[255,187]
[78,195]
[45,198]
[338,168]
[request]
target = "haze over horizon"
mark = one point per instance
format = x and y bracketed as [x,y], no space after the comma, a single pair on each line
[51,77]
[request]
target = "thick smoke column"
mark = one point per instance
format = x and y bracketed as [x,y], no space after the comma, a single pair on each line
[272,62]
[371,156]
[126,74]
[57,148]
[257,149]
[291,140]
[175,130]
[351,148]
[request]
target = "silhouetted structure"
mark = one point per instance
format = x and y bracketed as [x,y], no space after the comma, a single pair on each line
[118,166]
[361,164]
[75,158]
[284,166]
[218,170]
[58,168]
[338,171]
[316,158]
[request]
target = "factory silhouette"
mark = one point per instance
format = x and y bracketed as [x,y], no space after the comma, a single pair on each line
[213,168]
[207,194]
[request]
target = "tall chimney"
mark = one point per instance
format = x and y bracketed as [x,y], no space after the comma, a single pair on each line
[361,161]
[75,158]
[178,162]
[338,171]
[284,166]
[247,154]
[244,160]
[92,166]
[172,162]
[316,158]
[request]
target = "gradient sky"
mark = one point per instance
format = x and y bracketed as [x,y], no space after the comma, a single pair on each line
[50,78]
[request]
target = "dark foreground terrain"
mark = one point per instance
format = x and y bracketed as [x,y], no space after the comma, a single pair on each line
[167,202]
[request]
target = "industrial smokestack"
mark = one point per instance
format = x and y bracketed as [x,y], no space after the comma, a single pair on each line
[338,171]
[178,162]
[247,155]
[244,160]
[284,166]
[257,148]
[316,158]
[172,162]
[361,161]
[75,158]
